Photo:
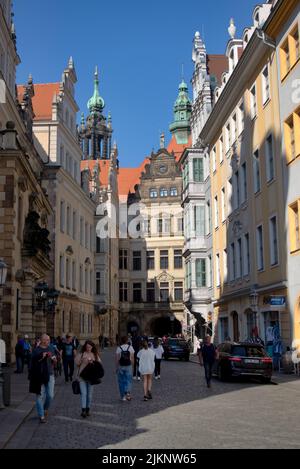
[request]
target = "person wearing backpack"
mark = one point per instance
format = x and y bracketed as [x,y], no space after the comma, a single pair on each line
[124,363]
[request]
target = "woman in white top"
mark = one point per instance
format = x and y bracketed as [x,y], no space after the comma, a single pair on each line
[146,358]
[159,351]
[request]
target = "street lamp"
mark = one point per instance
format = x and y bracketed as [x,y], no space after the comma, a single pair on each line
[3,275]
[254,304]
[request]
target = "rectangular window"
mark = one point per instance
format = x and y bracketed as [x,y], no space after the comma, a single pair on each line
[223,206]
[216,212]
[81,231]
[240,259]
[270,159]
[164,292]
[86,235]
[62,216]
[273,241]
[81,286]
[74,276]
[214,159]
[199,220]
[91,282]
[86,281]
[210,270]
[225,266]
[74,234]
[150,260]
[232,262]
[98,283]
[294,224]
[201,273]
[256,172]
[198,169]
[178,291]
[62,271]
[221,149]
[180,226]
[229,196]
[68,220]
[68,274]
[164,260]
[178,259]
[208,217]
[137,261]
[285,59]
[260,248]
[137,292]
[244,183]
[265,84]
[236,190]
[241,117]
[233,128]
[123,259]
[151,292]
[291,129]
[253,102]
[123,292]
[247,255]
[227,138]
[289,52]
[218,278]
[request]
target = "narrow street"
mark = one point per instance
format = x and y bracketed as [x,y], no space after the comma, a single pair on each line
[183,415]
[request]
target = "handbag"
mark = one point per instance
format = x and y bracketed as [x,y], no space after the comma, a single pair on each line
[76,387]
[93,373]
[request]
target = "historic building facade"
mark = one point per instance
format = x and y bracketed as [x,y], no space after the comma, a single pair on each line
[243,134]
[284,30]
[25,208]
[196,195]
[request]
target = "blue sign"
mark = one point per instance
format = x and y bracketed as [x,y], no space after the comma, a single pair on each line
[275,300]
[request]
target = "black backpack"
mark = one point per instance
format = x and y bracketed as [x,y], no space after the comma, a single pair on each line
[125,357]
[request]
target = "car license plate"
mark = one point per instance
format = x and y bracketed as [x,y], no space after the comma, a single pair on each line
[252,361]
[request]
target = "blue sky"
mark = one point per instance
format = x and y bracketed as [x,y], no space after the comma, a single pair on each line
[139,47]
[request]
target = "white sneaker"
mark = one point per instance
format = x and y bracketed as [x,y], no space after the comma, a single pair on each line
[139,379]
[123,399]
[158,376]
[135,378]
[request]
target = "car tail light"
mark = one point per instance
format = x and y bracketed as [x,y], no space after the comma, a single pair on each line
[235,359]
[267,360]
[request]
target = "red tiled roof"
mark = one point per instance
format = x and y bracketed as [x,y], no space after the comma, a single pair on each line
[42,100]
[217,64]
[177,148]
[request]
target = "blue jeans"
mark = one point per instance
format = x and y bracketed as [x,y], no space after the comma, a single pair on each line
[125,380]
[86,391]
[44,399]
[208,366]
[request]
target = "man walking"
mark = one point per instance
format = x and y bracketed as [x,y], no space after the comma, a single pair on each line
[68,355]
[42,376]
[207,357]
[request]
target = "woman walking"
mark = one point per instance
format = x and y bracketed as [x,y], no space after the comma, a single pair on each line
[146,358]
[159,351]
[88,355]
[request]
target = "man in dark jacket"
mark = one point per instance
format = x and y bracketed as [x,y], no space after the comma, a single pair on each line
[207,357]
[68,355]
[42,376]
[20,355]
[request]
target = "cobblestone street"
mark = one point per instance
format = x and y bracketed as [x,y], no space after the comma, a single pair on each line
[183,415]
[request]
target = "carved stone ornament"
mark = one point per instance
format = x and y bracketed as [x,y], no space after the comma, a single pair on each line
[69,250]
[22,183]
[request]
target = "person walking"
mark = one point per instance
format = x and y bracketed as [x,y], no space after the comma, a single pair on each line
[68,355]
[207,357]
[146,358]
[20,355]
[158,351]
[124,363]
[136,344]
[87,356]
[41,376]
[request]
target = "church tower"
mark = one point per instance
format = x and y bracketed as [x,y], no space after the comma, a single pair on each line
[95,134]
[181,127]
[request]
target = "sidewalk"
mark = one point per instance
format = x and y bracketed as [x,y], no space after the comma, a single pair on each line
[20,407]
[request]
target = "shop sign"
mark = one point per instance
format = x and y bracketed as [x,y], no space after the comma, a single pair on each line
[275,301]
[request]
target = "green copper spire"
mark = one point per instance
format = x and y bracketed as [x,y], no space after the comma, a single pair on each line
[96,103]
[181,126]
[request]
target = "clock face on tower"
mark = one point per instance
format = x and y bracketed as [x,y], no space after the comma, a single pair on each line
[163,169]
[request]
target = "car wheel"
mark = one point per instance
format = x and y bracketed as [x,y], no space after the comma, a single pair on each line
[266,380]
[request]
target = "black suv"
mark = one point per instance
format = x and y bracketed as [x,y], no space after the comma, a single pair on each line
[243,359]
[176,348]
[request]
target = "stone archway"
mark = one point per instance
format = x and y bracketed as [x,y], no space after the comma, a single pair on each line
[162,326]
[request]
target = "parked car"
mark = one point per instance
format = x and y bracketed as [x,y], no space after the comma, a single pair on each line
[243,359]
[176,348]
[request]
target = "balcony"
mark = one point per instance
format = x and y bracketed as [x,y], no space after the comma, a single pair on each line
[197,295]
[196,243]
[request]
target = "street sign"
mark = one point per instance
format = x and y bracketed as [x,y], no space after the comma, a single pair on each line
[275,300]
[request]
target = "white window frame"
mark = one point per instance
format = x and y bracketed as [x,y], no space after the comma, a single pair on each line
[274,257]
[253,101]
[260,249]
[265,80]
[270,160]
